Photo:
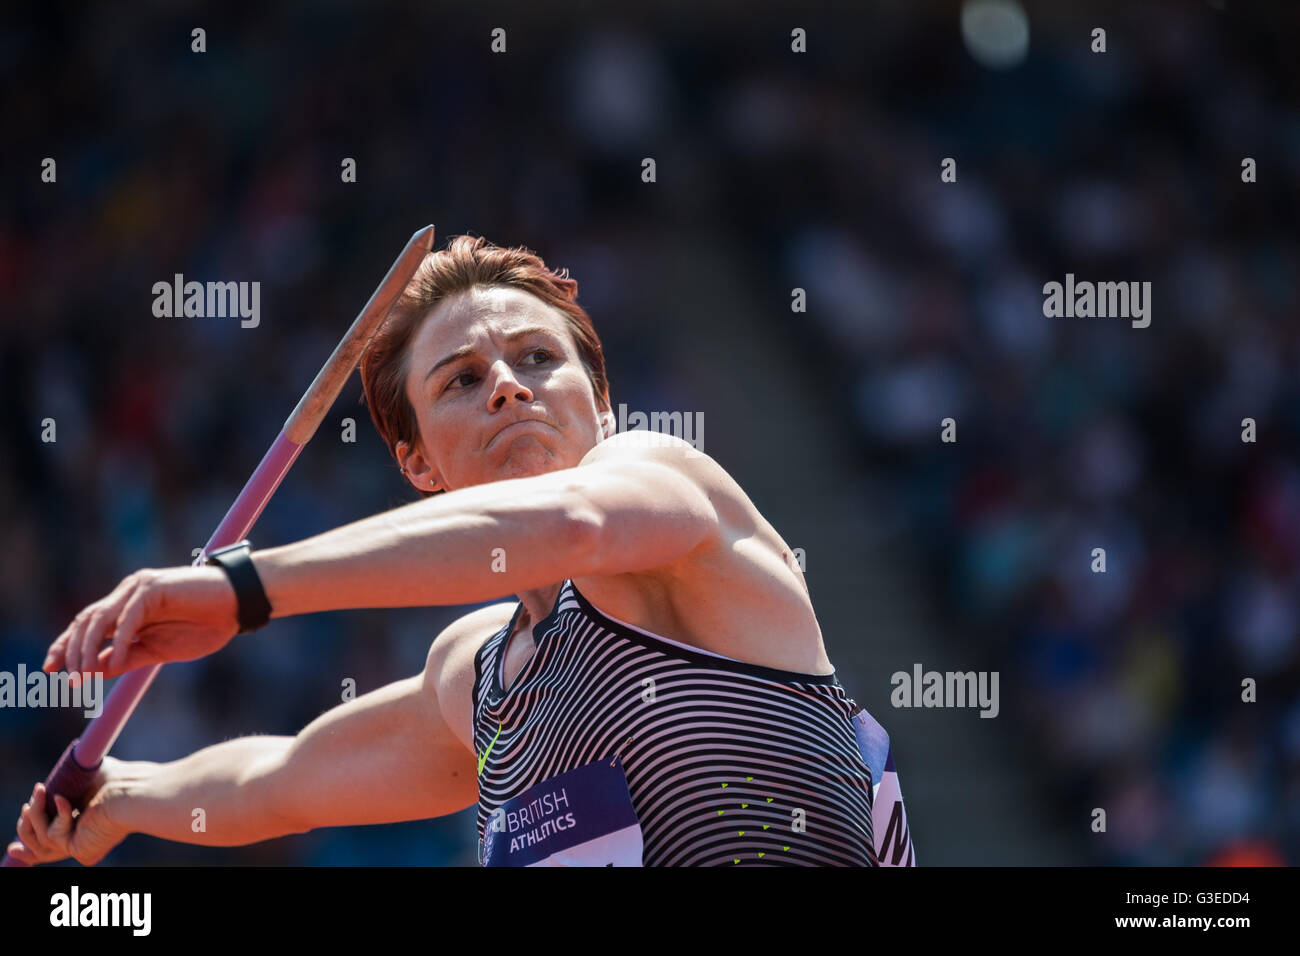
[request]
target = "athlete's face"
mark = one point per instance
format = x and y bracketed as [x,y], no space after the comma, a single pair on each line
[499,391]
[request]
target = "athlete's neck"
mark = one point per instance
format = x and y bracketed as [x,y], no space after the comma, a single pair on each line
[537,603]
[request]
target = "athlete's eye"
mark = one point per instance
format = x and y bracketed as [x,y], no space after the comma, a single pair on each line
[457,381]
[457,377]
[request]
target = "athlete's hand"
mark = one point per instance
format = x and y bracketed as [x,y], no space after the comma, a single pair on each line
[153,616]
[87,835]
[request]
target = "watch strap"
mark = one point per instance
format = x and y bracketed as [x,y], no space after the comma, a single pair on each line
[236,560]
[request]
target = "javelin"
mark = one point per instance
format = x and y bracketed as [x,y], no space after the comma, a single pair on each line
[74,774]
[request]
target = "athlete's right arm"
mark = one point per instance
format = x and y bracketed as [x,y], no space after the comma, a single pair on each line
[389,755]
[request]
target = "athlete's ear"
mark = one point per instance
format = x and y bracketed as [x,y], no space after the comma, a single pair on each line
[607,424]
[417,469]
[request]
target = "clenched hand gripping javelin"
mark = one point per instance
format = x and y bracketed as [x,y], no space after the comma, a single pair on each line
[74,774]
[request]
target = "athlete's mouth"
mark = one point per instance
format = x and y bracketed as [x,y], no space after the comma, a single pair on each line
[521,421]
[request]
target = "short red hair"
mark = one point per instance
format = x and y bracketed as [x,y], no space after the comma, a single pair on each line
[468,261]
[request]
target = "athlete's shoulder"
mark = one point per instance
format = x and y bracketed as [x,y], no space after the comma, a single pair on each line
[469,631]
[737,514]
[669,451]
[449,671]
[661,447]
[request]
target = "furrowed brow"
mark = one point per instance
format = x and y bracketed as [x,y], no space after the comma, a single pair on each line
[465,350]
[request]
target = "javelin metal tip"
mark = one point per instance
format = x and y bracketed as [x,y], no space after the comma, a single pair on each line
[424,237]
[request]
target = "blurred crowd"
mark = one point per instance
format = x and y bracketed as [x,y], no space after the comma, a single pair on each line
[1080,433]
[1123,688]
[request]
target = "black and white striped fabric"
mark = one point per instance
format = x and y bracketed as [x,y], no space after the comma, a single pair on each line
[726,762]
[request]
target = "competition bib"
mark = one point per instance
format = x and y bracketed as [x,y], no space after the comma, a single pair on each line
[888,816]
[583,817]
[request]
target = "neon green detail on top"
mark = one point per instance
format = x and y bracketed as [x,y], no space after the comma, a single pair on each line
[483,759]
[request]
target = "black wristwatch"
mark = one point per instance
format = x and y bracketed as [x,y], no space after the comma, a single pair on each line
[235,560]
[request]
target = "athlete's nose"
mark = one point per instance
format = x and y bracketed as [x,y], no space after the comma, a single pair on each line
[506,386]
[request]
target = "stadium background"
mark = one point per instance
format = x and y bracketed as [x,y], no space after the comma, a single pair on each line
[775,170]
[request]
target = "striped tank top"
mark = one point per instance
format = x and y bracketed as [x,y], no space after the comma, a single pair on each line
[616,746]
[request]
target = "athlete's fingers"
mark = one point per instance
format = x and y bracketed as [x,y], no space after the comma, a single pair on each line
[26,830]
[101,621]
[37,813]
[57,654]
[80,654]
[61,829]
[103,624]
[64,807]
[138,654]
[90,626]
[21,853]
[72,649]
[132,615]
